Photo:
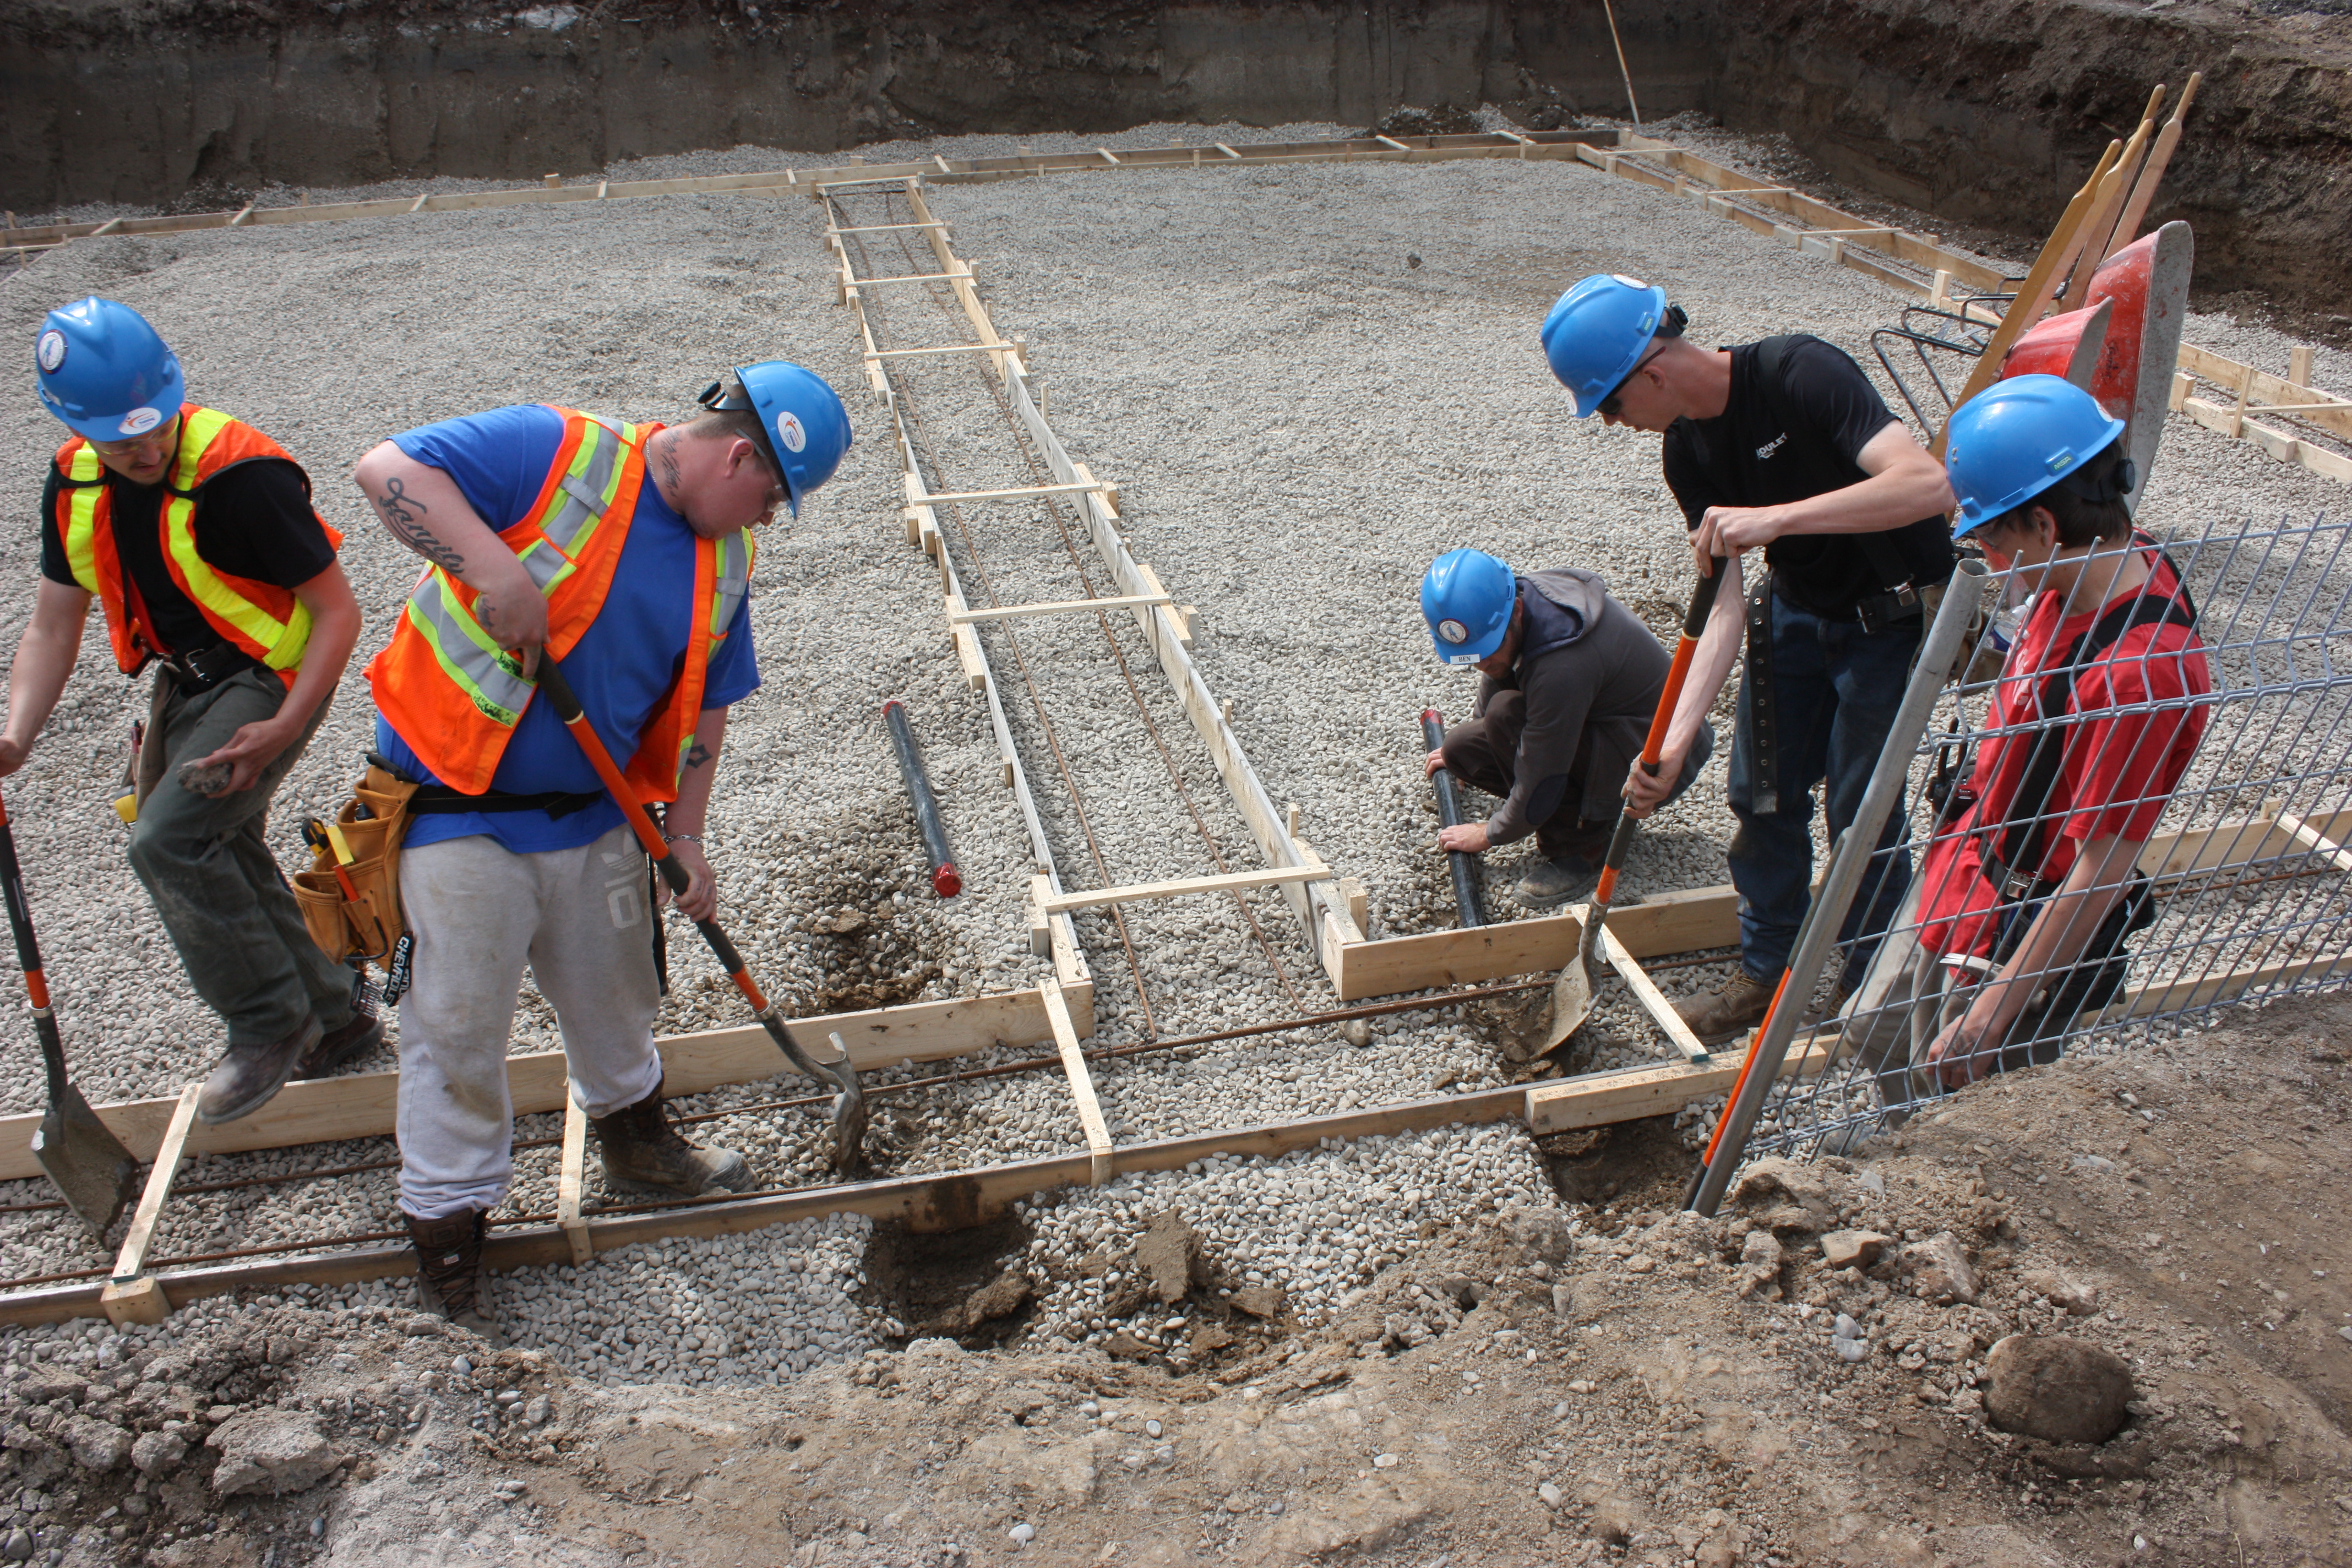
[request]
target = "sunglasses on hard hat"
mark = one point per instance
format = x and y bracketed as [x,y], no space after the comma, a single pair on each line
[1609,408]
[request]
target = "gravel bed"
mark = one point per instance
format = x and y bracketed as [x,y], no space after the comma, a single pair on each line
[1174,320]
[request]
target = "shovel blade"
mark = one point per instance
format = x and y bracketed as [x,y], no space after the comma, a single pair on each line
[849,1114]
[94,1172]
[1571,1001]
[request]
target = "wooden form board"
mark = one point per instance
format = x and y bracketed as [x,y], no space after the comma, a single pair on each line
[1082,1088]
[361,1106]
[1167,630]
[1183,887]
[572,1181]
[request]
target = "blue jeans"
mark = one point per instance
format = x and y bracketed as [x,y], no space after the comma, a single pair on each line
[1835,689]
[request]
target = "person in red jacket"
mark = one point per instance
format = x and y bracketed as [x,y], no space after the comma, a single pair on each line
[2030,889]
[195,534]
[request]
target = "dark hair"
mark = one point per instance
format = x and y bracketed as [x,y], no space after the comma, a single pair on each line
[2087,505]
[732,423]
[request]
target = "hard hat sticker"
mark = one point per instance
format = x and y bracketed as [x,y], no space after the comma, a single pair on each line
[52,351]
[1629,282]
[789,431]
[139,421]
[1453,631]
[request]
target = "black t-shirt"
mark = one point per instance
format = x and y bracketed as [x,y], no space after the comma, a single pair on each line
[253,519]
[1765,451]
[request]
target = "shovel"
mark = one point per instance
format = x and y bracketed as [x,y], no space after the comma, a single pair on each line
[1571,993]
[849,1098]
[88,1163]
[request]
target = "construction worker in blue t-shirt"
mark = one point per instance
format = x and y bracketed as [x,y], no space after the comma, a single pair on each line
[623,551]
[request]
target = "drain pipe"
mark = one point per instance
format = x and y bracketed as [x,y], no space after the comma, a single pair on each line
[1449,815]
[946,880]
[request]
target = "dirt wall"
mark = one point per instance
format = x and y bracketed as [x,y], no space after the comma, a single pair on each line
[158,103]
[1992,114]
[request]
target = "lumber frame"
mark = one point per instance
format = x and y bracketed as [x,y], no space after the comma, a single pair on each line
[1055,607]
[1653,1000]
[1099,1149]
[1182,887]
[571,1181]
[130,1296]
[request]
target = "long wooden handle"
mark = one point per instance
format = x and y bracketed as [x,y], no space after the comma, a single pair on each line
[2135,211]
[2033,295]
[2113,191]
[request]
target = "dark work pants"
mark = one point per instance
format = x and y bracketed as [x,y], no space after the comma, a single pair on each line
[204,862]
[1835,689]
[1485,751]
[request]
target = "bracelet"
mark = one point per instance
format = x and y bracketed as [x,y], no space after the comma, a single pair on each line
[693,839]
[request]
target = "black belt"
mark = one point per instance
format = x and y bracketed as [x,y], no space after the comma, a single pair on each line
[208,666]
[441,800]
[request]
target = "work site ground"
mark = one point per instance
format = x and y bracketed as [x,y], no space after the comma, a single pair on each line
[1609,1381]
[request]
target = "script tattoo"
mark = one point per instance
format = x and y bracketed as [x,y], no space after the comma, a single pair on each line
[666,455]
[402,515]
[697,756]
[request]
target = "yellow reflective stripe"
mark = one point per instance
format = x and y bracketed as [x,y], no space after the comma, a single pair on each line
[283,640]
[81,519]
[491,680]
[196,433]
[588,487]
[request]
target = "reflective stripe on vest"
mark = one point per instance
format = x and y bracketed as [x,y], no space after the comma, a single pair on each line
[456,697]
[262,620]
[564,529]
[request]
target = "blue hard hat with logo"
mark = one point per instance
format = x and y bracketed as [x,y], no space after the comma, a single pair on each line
[1596,332]
[1467,598]
[2020,437]
[105,373]
[802,418]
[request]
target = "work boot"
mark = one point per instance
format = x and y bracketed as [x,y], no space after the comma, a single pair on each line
[643,1153]
[1739,1002]
[1824,1016]
[449,1270]
[249,1074]
[1550,883]
[338,1049]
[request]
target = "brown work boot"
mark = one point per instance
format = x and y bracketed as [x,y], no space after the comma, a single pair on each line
[338,1049]
[449,1270]
[643,1153]
[249,1074]
[1739,1002]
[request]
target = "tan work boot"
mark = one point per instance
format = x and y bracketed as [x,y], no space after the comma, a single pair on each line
[643,1153]
[449,1270]
[1739,1002]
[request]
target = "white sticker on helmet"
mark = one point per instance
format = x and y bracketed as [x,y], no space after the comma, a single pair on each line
[139,421]
[1453,631]
[789,431]
[52,351]
[1629,282]
[1460,659]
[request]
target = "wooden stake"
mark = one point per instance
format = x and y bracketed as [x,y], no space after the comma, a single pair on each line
[2298,364]
[129,1301]
[1653,1001]
[572,1179]
[1082,1087]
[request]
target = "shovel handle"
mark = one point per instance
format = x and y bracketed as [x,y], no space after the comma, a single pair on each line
[1653,745]
[28,959]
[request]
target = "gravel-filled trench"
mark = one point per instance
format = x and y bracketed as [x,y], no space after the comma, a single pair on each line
[1307,382]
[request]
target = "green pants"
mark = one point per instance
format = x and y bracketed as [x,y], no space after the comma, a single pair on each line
[205,864]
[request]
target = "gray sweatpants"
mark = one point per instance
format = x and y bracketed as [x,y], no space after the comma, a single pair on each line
[580,918]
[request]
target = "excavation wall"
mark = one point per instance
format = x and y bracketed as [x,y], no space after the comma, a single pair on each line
[1981,111]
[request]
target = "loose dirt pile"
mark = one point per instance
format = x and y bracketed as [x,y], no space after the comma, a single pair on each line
[1812,1378]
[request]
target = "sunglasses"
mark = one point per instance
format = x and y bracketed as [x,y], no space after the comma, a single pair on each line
[1609,406]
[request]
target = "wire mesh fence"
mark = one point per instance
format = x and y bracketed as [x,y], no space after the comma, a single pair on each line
[2131,808]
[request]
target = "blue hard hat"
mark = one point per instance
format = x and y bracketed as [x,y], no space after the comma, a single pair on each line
[802,418]
[2018,437]
[1466,598]
[1595,334]
[103,370]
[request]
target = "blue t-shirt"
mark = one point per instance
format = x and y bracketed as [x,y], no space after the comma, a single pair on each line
[623,667]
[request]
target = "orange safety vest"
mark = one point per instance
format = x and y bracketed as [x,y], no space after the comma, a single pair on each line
[447,689]
[267,623]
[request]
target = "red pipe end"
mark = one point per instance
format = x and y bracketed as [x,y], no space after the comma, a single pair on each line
[947,881]
[1432,713]
[894,702]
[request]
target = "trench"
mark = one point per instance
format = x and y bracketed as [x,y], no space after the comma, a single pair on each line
[1979,113]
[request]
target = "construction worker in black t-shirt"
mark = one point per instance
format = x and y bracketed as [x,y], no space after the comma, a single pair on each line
[1783,445]
[195,534]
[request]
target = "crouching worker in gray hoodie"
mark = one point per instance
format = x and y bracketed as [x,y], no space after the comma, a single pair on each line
[1571,679]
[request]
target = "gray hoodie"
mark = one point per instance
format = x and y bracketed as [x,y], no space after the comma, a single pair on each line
[1591,674]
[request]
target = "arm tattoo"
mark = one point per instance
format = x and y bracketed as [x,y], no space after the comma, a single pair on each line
[698,756]
[401,515]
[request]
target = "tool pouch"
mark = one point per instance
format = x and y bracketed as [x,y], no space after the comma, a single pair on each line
[367,922]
